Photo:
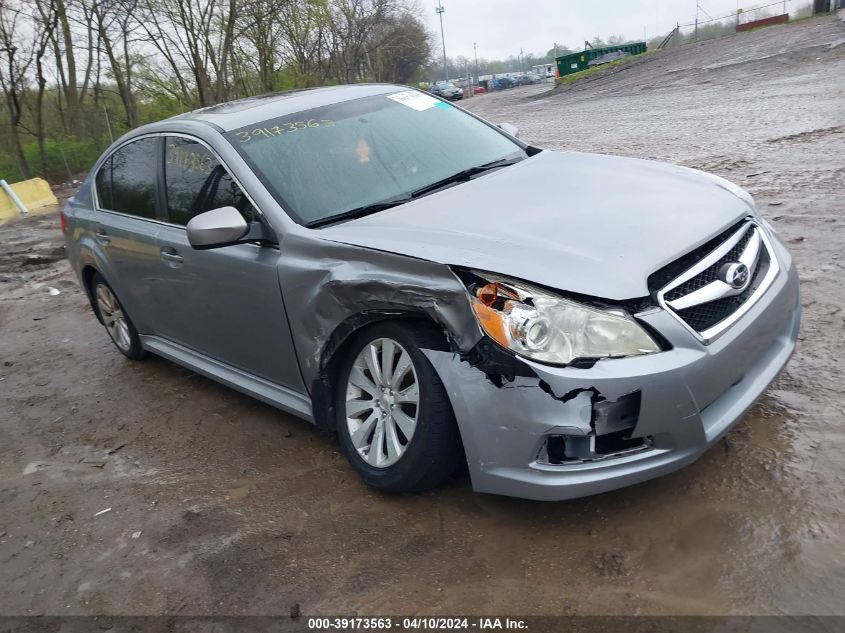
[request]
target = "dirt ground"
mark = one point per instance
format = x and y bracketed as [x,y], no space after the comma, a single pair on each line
[143,488]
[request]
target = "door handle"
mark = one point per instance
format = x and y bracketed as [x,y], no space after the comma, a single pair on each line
[101,236]
[170,255]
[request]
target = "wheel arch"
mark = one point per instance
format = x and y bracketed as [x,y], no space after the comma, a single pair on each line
[337,346]
[93,260]
[87,275]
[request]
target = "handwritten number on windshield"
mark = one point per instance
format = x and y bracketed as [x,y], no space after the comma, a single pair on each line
[288,127]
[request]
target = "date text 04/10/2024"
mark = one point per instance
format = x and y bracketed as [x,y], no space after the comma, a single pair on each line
[415,623]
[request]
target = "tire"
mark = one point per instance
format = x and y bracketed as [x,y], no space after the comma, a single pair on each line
[114,318]
[429,451]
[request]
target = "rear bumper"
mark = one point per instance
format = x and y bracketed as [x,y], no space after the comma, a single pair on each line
[690,397]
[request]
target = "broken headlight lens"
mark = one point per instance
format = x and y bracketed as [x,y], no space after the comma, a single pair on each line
[548,328]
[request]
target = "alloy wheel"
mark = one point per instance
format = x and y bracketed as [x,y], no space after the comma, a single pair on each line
[382,402]
[113,317]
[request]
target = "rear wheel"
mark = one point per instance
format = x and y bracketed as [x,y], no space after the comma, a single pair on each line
[117,323]
[395,422]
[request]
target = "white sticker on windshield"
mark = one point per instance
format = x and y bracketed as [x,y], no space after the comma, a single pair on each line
[417,100]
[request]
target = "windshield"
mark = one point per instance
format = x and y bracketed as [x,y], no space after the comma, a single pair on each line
[330,160]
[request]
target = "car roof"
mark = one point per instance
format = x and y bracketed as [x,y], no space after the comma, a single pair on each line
[236,114]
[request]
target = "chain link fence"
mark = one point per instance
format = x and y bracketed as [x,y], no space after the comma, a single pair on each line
[706,26]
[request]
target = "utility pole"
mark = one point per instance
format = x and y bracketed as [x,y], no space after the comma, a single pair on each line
[469,81]
[440,11]
[475,48]
[695,37]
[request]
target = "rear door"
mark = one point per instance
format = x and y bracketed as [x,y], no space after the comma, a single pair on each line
[223,302]
[126,224]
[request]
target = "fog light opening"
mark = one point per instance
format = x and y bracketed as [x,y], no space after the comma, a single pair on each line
[572,449]
[619,442]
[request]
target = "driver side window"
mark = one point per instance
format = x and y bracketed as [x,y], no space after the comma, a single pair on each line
[196,182]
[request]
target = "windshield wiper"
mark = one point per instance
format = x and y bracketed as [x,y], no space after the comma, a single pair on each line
[463,176]
[360,212]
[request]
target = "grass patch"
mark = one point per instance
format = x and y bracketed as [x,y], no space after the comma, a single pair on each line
[61,155]
[583,74]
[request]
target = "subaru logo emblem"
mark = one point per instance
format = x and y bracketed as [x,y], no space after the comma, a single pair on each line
[734,274]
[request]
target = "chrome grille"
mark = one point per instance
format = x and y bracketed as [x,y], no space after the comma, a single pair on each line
[709,296]
[711,274]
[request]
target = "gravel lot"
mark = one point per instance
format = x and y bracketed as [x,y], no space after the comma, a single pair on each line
[218,504]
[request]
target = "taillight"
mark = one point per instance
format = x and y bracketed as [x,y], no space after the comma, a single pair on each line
[63,221]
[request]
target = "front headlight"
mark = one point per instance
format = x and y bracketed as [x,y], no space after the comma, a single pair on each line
[548,328]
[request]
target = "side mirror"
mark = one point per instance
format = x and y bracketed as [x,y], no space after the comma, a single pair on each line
[215,228]
[509,129]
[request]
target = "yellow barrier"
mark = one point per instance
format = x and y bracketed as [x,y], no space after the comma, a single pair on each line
[35,194]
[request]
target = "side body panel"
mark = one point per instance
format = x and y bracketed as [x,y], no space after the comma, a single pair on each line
[227,304]
[129,244]
[122,249]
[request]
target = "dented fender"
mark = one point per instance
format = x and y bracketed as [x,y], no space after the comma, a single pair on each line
[336,288]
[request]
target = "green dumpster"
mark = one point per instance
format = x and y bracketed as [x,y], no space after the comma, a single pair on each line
[576,62]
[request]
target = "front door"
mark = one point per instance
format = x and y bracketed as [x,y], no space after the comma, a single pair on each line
[223,302]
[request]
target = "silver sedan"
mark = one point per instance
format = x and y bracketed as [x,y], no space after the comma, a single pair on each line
[384,264]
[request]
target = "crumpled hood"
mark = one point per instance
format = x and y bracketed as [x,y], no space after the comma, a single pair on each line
[586,223]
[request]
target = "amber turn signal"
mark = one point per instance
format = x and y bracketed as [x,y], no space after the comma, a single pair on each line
[492,322]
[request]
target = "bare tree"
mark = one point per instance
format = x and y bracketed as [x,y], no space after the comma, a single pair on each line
[221,54]
[260,42]
[399,48]
[116,23]
[15,59]
[152,58]
[193,36]
[66,46]
[352,23]
[306,27]
[43,36]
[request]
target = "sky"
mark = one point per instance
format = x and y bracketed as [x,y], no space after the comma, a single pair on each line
[502,27]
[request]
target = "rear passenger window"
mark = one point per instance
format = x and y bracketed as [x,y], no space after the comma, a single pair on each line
[126,181]
[196,182]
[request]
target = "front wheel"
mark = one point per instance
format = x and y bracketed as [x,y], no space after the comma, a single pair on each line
[395,422]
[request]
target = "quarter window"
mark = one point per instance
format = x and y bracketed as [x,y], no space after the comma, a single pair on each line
[104,185]
[126,181]
[196,182]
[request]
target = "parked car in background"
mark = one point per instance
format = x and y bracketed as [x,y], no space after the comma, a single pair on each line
[478,90]
[380,263]
[447,90]
[529,79]
[501,83]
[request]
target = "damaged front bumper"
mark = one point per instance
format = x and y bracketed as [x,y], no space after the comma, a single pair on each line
[571,432]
